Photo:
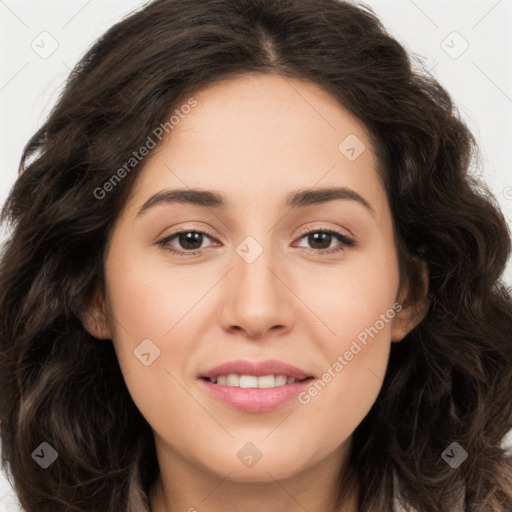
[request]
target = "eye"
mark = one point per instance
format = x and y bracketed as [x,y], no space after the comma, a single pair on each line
[320,241]
[191,242]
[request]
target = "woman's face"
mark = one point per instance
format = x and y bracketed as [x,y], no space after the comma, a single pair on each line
[306,280]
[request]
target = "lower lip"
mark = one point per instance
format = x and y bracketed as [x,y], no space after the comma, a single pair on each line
[256,399]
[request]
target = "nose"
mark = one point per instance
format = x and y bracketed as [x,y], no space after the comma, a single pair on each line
[257,299]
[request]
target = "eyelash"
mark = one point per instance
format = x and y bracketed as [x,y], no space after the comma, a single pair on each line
[346,242]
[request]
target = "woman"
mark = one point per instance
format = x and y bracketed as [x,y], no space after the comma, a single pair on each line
[368,369]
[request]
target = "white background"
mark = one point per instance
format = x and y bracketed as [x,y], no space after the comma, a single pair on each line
[479,79]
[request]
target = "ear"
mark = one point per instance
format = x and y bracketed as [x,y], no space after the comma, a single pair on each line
[412,313]
[95,319]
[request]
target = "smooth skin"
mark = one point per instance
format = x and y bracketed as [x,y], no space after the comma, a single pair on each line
[253,139]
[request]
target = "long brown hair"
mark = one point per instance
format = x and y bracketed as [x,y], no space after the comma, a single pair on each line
[449,380]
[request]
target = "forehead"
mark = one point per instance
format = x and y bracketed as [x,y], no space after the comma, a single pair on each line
[257,138]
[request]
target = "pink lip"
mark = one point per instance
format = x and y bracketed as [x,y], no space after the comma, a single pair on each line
[255,399]
[269,367]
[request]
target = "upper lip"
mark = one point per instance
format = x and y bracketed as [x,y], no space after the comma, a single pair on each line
[268,367]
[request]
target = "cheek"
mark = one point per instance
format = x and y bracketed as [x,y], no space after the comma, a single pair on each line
[148,302]
[352,297]
[142,310]
[350,382]
[357,306]
[138,315]
[152,316]
[343,395]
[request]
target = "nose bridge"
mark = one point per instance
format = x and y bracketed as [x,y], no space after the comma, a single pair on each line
[257,299]
[253,278]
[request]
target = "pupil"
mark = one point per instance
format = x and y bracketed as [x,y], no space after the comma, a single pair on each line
[315,237]
[192,237]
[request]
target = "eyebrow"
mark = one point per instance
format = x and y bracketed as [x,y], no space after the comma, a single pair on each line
[296,199]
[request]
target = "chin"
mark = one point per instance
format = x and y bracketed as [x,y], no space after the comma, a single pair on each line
[272,464]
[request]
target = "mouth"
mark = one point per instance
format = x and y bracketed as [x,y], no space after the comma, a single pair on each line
[251,374]
[255,386]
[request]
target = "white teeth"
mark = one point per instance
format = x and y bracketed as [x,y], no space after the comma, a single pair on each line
[248,381]
[252,381]
[266,381]
[280,380]
[233,380]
